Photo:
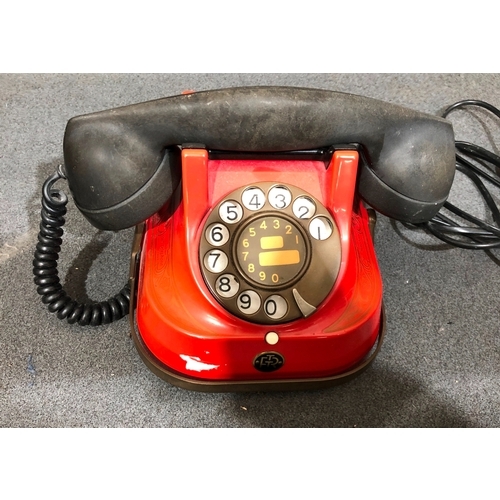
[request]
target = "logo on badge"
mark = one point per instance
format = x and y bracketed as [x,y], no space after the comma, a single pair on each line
[269,362]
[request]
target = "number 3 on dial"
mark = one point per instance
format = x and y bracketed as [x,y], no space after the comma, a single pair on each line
[279,197]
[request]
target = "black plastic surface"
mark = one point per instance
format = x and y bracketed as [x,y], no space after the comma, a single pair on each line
[113,157]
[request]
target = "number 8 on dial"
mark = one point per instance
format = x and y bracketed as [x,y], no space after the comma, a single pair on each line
[227,286]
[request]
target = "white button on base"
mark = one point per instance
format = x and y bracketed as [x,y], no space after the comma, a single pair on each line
[272,338]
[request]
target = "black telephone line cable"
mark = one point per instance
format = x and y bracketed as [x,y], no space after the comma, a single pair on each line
[481,235]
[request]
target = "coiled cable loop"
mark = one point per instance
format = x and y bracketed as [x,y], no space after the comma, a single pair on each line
[45,266]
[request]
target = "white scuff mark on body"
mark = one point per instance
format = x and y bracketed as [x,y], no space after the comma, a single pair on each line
[195,364]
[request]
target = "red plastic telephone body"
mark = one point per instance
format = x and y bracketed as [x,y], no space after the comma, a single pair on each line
[186,337]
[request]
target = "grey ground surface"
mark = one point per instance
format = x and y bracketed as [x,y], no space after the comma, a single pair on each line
[439,366]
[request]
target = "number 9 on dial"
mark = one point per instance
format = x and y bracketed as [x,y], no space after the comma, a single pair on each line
[248,302]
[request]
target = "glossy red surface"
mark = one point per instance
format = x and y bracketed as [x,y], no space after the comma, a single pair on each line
[187,330]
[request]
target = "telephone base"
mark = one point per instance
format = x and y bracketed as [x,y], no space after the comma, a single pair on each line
[180,380]
[270,286]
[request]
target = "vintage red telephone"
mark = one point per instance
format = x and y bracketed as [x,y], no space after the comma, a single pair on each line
[253,265]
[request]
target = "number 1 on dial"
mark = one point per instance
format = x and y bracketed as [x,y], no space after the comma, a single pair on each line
[320,228]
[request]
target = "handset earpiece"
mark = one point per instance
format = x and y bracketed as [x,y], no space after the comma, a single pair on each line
[117,178]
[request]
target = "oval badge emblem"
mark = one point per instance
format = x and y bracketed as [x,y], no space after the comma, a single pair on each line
[269,361]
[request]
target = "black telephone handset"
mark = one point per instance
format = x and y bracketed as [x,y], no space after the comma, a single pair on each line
[123,164]
[257,268]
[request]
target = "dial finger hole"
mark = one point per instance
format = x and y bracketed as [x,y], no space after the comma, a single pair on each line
[217,234]
[276,307]
[320,228]
[253,198]
[215,261]
[249,302]
[279,197]
[227,286]
[231,212]
[303,207]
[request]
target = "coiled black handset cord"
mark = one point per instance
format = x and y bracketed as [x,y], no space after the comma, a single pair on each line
[480,235]
[45,267]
